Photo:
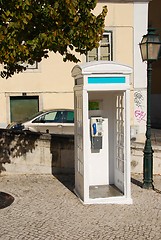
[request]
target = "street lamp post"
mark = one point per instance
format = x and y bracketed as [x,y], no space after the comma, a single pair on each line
[149,47]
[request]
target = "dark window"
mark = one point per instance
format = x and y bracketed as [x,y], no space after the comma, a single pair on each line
[159,56]
[29,66]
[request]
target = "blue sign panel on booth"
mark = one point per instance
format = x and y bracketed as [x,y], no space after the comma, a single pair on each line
[105,80]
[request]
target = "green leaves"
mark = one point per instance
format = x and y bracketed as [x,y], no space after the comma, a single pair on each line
[31,28]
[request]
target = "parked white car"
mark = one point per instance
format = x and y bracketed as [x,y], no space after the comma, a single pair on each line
[57,121]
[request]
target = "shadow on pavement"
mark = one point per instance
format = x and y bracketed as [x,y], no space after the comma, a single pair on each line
[140,184]
[137,182]
[5,200]
[67,180]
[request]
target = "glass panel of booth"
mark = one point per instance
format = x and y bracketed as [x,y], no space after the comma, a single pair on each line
[79,133]
[120,133]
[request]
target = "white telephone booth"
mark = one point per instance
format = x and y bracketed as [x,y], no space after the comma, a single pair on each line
[102,132]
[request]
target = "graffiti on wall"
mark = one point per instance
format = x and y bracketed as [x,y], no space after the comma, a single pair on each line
[138,99]
[140,114]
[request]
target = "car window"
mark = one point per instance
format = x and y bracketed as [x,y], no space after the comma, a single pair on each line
[56,116]
[38,120]
[69,117]
[50,116]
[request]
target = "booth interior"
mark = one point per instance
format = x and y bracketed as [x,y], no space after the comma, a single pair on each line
[106,163]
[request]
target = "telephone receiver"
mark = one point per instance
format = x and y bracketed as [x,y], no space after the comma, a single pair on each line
[94,127]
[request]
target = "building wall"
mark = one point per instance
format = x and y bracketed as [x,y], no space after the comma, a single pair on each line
[155,21]
[53,83]
[139,91]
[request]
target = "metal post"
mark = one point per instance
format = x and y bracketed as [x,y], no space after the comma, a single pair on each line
[148,151]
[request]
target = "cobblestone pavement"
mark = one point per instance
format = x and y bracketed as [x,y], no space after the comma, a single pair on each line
[45,208]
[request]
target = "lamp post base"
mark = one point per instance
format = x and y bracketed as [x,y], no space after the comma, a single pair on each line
[148,185]
[148,163]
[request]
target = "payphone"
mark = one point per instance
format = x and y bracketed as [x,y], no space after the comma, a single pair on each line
[96,132]
[102,130]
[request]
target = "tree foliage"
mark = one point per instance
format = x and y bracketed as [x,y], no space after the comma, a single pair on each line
[29,29]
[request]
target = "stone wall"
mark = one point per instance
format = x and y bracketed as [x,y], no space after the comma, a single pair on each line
[25,152]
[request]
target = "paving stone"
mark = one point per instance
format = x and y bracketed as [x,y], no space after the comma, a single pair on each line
[45,209]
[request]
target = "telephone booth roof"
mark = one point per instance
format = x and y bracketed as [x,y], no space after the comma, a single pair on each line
[100,67]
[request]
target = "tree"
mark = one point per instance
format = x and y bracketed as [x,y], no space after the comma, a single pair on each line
[29,29]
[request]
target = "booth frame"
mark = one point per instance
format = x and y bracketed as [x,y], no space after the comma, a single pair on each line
[110,80]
